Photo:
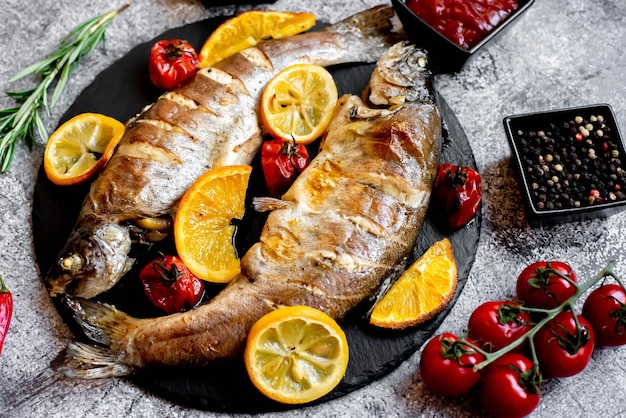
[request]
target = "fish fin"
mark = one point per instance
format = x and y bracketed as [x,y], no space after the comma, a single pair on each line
[100,322]
[85,361]
[265,204]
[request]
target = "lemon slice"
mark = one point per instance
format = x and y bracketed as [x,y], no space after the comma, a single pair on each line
[248,29]
[298,103]
[421,292]
[203,231]
[296,354]
[80,147]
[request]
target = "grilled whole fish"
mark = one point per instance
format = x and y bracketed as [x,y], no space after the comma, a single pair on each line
[347,223]
[210,122]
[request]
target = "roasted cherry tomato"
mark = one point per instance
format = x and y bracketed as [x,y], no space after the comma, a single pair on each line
[457,194]
[172,63]
[170,285]
[605,309]
[494,325]
[510,386]
[447,366]
[564,347]
[538,286]
[282,161]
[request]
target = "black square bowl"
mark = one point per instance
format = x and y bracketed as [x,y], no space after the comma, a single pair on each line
[445,55]
[570,163]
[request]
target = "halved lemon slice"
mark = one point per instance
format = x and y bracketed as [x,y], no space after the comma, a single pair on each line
[421,292]
[298,103]
[80,147]
[248,29]
[203,229]
[296,354]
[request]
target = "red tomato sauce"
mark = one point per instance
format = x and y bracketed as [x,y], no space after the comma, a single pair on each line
[464,22]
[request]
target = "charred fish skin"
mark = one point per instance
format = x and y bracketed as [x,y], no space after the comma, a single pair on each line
[368,188]
[209,122]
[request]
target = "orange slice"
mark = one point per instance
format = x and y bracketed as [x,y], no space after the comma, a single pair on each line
[248,29]
[296,354]
[80,147]
[203,231]
[298,103]
[421,292]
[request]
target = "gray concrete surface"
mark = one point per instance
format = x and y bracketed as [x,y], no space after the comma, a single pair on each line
[561,53]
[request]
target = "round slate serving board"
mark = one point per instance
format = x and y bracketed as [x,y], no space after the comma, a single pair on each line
[122,91]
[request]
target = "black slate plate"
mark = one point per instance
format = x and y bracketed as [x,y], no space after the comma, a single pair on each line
[121,91]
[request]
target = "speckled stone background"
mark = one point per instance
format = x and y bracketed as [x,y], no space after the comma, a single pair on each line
[561,53]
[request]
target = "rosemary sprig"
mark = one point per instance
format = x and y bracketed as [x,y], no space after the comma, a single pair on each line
[21,122]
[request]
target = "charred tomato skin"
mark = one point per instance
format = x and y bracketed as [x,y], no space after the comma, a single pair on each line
[457,194]
[494,325]
[447,366]
[170,285]
[282,161]
[172,63]
[510,386]
[562,348]
[605,309]
[538,286]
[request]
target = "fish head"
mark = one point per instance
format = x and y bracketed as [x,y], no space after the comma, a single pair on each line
[93,260]
[401,75]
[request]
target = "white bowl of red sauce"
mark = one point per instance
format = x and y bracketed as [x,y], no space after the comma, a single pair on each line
[453,30]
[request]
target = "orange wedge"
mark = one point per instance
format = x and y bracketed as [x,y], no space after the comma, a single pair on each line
[298,103]
[248,29]
[421,292]
[203,231]
[296,354]
[80,147]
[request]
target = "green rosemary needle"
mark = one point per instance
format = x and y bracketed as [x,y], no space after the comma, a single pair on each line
[21,122]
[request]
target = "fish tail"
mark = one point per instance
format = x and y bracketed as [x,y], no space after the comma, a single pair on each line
[377,27]
[104,325]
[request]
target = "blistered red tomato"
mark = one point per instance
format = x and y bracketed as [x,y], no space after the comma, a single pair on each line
[510,386]
[605,308]
[447,366]
[282,161]
[172,63]
[170,285]
[463,22]
[457,194]
[538,286]
[494,325]
[564,345]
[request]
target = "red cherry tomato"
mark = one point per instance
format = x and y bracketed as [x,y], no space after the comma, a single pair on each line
[282,161]
[510,386]
[539,287]
[494,325]
[169,284]
[457,194]
[447,366]
[172,63]
[563,349]
[605,308]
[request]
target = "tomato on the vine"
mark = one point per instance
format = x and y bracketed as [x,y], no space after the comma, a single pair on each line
[510,386]
[169,284]
[447,365]
[605,309]
[564,345]
[494,325]
[172,63]
[282,161]
[538,286]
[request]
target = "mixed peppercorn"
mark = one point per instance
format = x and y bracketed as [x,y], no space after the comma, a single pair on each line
[572,164]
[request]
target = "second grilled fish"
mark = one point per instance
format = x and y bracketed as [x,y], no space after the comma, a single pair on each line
[346,224]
